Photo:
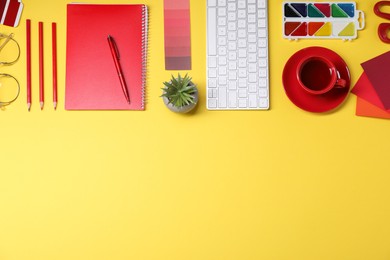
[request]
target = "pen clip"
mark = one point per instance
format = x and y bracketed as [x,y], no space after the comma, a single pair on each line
[115,46]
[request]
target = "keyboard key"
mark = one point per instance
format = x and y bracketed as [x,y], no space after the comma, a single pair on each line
[241,43]
[212,31]
[262,82]
[252,77]
[241,4]
[241,14]
[222,12]
[232,46]
[252,88]
[232,98]
[252,38]
[261,13]
[242,103]
[222,71]
[222,40]
[252,100]
[212,102]
[262,73]
[222,51]
[232,75]
[222,61]
[251,9]
[263,92]
[232,26]
[212,93]
[252,18]
[242,53]
[263,102]
[242,93]
[232,36]
[232,65]
[212,73]
[232,84]
[232,56]
[252,67]
[212,83]
[231,7]
[221,31]
[232,16]
[221,21]
[262,33]
[262,23]
[222,80]
[212,3]
[221,2]
[222,97]
[242,73]
[212,62]
[261,4]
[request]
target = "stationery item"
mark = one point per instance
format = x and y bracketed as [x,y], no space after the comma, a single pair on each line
[364,90]
[10,12]
[318,75]
[91,79]
[325,102]
[365,108]
[28,56]
[383,27]
[177,34]
[8,83]
[237,55]
[54,64]
[10,89]
[41,68]
[116,56]
[321,20]
[376,70]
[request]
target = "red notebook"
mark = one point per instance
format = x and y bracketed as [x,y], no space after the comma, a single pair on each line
[92,82]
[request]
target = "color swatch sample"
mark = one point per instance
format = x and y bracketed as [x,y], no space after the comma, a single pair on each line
[321,20]
[376,70]
[177,34]
[365,108]
[10,12]
[365,90]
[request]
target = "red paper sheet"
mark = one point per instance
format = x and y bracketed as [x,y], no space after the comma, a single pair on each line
[365,108]
[364,89]
[377,70]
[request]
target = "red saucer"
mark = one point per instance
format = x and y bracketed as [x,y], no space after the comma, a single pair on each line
[309,102]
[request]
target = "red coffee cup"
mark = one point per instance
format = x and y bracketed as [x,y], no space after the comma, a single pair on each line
[318,75]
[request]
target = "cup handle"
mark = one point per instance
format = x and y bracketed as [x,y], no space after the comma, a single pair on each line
[341,83]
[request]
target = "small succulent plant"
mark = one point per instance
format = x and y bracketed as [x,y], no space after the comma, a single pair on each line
[179,91]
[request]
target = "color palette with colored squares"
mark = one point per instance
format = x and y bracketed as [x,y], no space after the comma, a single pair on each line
[325,20]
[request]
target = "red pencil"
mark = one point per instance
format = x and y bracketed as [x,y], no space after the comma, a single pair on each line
[54,55]
[28,46]
[41,75]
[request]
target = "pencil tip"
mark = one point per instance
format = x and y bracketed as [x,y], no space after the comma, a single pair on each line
[41,103]
[29,106]
[55,105]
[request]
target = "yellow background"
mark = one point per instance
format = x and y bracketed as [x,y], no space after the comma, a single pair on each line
[272,185]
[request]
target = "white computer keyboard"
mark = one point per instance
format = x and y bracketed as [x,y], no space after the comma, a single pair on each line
[237,55]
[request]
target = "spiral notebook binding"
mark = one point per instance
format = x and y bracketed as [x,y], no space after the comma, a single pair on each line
[144,51]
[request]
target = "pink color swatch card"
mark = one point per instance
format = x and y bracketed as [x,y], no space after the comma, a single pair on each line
[177,34]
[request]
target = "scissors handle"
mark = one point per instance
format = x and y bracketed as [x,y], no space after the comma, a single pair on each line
[382,32]
[377,9]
